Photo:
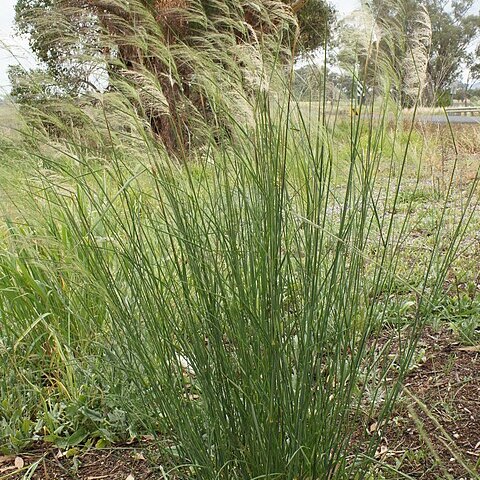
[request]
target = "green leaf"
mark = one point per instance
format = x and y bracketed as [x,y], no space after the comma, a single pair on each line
[92,415]
[78,437]
[102,443]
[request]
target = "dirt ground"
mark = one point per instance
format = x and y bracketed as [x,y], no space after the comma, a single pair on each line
[435,433]
[124,462]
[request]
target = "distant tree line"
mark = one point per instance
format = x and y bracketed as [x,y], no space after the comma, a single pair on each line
[424,48]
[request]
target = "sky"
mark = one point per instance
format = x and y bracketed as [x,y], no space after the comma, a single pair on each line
[346,6]
[12,49]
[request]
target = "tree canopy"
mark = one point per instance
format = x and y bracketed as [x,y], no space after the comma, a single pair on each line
[424,44]
[315,18]
[179,54]
[453,27]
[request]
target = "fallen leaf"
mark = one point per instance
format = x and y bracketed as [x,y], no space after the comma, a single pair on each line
[382,450]
[138,456]
[130,477]
[373,427]
[19,463]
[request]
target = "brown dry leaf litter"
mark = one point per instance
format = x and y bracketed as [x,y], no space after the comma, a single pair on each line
[436,432]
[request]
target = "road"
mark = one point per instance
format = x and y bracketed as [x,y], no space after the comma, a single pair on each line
[453,119]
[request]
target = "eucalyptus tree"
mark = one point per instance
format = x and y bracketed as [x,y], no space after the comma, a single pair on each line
[436,31]
[191,63]
[455,27]
[395,36]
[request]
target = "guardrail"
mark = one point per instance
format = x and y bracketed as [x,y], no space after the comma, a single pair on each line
[463,110]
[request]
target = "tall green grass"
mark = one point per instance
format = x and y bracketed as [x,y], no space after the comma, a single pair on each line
[244,305]
[247,302]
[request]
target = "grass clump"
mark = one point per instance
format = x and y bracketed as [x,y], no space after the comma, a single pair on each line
[237,305]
